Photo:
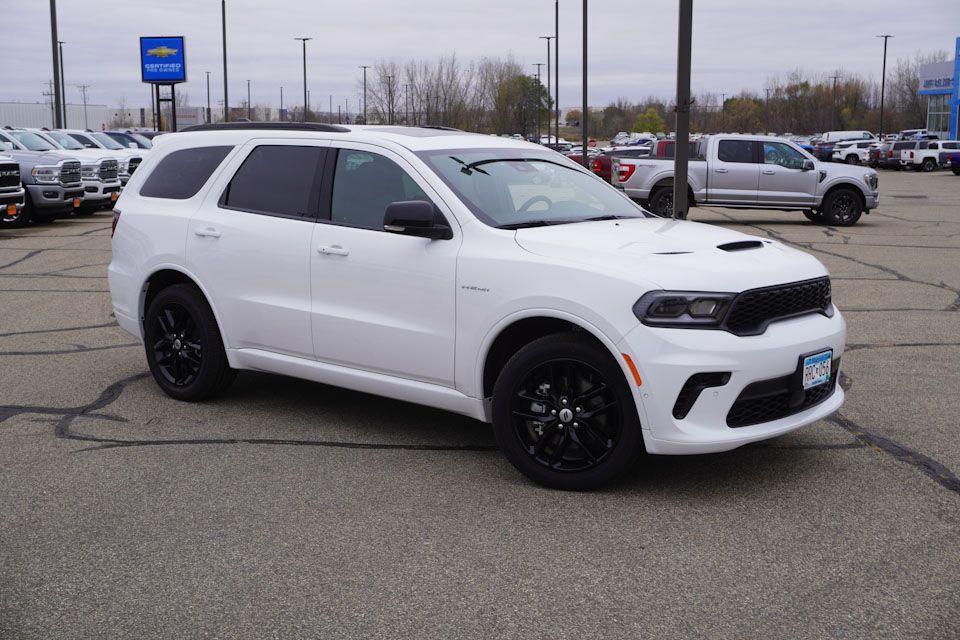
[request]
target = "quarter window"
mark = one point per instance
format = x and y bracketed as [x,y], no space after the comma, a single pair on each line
[364,183]
[743,151]
[276,180]
[180,175]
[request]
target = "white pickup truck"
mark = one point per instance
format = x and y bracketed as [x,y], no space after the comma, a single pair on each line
[926,155]
[754,172]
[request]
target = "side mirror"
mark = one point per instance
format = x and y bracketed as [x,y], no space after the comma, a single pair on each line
[415,218]
[808,165]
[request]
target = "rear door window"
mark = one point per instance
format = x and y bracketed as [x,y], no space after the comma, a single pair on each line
[280,180]
[743,151]
[181,174]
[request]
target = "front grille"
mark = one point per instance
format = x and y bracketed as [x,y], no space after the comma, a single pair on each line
[108,170]
[133,164]
[70,173]
[9,175]
[753,310]
[770,400]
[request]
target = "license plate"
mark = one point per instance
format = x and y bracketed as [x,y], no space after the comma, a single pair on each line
[816,369]
[76,202]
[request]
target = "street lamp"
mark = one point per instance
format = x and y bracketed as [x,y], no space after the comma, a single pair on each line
[209,114]
[364,67]
[249,106]
[883,79]
[63,83]
[305,100]
[584,118]
[539,85]
[57,88]
[556,64]
[549,85]
[389,99]
[223,23]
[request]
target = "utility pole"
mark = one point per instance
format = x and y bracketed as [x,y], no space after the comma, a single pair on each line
[83,92]
[549,86]
[585,115]
[833,111]
[364,67]
[556,66]
[330,108]
[305,99]
[249,106]
[280,115]
[57,96]
[682,144]
[883,80]
[63,82]
[209,112]
[539,96]
[223,22]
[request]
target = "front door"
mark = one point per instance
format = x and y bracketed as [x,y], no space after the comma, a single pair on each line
[251,248]
[734,176]
[382,302]
[783,180]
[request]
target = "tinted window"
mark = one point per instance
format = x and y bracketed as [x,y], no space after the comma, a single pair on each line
[364,184]
[32,141]
[782,154]
[275,179]
[180,175]
[84,140]
[736,151]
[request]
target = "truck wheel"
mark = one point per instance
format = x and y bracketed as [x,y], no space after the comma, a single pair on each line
[813,216]
[661,202]
[929,165]
[842,208]
[852,159]
[564,415]
[956,171]
[20,219]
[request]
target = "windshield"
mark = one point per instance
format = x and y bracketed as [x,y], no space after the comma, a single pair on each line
[144,142]
[31,141]
[64,140]
[509,188]
[106,140]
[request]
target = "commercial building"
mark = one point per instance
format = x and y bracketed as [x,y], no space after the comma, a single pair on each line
[940,82]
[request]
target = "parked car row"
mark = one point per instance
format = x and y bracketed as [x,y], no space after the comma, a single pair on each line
[64,170]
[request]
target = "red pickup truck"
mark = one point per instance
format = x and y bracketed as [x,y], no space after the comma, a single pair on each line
[602,164]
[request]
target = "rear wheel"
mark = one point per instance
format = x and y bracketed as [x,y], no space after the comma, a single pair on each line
[183,345]
[564,415]
[661,202]
[842,208]
[852,159]
[956,171]
[813,215]
[929,164]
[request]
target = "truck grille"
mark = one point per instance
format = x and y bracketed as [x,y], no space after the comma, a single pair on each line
[133,164]
[70,173]
[108,170]
[753,310]
[9,175]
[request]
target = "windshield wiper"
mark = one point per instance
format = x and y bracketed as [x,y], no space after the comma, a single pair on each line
[533,223]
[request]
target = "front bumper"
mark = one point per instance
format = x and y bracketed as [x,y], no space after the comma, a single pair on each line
[871,199]
[54,197]
[11,196]
[98,192]
[667,358]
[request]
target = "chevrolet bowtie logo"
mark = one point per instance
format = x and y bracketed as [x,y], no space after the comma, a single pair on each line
[162,52]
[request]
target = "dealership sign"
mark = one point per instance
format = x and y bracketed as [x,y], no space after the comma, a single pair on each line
[163,60]
[936,75]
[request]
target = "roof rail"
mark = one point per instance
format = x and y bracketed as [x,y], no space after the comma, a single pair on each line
[283,126]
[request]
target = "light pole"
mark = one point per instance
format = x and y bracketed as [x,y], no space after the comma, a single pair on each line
[883,79]
[57,95]
[723,106]
[539,85]
[223,22]
[63,83]
[549,85]
[249,106]
[584,116]
[305,100]
[833,110]
[209,113]
[280,115]
[682,144]
[389,99]
[556,66]
[364,67]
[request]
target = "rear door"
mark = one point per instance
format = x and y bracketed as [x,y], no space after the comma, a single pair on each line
[783,180]
[250,244]
[734,175]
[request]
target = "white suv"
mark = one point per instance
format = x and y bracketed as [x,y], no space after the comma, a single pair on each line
[484,276]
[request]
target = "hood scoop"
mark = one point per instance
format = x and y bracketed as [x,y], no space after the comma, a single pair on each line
[741,245]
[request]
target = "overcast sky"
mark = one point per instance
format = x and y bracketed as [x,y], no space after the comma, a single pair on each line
[737,44]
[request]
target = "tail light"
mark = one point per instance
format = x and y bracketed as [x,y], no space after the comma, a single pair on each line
[116,219]
[890,154]
[596,166]
[624,171]
[911,154]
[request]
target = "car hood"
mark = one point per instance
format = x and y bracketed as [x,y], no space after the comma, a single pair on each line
[42,157]
[673,254]
[855,172]
[88,154]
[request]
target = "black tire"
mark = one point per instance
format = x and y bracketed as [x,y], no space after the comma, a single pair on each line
[842,207]
[813,215]
[183,345]
[852,159]
[956,171]
[661,202]
[550,450]
[45,218]
[21,219]
[929,164]
[84,212]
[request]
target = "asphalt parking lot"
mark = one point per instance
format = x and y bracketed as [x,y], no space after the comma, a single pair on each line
[289,509]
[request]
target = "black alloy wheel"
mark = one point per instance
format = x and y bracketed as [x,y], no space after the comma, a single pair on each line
[929,165]
[183,345]
[813,215]
[661,204]
[564,415]
[842,208]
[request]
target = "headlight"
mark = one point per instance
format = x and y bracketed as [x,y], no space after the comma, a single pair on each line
[89,171]
[122,165]
[694,309]
[871,180]
[46,174]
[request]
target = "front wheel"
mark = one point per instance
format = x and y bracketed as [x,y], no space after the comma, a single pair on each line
[563,414]
[183,345]
[661,202]
[842,208]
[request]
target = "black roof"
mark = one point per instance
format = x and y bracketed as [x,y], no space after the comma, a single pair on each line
[282,126]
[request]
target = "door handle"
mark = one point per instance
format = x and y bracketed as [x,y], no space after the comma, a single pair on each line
[721,170]
[333,250]
[209,232]
[769,172]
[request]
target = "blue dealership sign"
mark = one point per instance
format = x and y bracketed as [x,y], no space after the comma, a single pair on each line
[163,60]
